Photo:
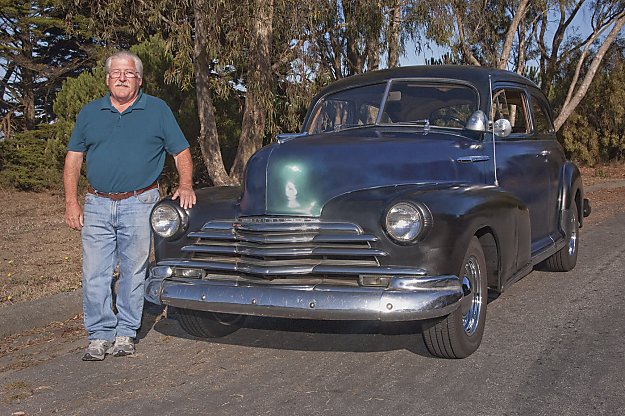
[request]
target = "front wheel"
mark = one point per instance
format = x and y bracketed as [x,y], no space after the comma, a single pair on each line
[459,334]
[204,324]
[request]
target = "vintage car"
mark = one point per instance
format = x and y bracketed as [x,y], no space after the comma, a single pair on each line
[409,195]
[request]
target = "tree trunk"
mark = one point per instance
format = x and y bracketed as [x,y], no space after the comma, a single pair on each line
[394,28]
[551,63]
[259,95]
[467,55]
[27,99]
[507,45]
[354,57]
[209,138]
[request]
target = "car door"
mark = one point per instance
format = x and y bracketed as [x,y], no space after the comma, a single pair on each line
[522,166]
[544,134]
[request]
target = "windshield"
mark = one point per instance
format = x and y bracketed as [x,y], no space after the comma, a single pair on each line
[432,103]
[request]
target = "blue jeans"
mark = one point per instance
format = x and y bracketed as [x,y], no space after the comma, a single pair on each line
[115,231]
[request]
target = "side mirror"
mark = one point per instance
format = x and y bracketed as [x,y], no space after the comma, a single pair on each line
[285,137]
[477,122]
[502,128]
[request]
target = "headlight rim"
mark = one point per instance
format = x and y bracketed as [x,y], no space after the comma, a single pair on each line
[425,219]
[183,217]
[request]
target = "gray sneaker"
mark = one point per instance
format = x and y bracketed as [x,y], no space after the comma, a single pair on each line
[123,346]
[97,350]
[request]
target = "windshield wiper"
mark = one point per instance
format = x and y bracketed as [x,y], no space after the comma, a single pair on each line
[340,127]
[425,122]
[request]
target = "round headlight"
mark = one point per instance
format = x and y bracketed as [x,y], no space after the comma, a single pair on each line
[404,222]
[165,220]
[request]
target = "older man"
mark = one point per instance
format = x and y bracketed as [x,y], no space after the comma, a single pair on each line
[125,137]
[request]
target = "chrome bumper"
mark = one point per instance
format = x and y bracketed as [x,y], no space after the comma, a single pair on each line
[405,298]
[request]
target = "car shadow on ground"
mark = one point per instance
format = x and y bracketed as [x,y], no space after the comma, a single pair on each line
[302,334]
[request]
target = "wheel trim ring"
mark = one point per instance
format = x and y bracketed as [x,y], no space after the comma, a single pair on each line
[226,319]
[470,281]
[573,236]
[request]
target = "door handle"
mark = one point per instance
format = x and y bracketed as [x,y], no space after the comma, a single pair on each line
[544,153]
[473,159]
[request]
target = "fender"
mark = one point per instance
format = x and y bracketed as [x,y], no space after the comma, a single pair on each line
[217,202]
[458,213]
[571,185]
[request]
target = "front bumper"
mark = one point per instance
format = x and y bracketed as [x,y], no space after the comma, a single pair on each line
[405,298]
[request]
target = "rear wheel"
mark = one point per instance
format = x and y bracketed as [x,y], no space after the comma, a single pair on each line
[566,258]
[459,334]
[204,324]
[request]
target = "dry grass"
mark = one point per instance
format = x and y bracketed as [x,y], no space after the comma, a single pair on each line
[603,173]
[39,255]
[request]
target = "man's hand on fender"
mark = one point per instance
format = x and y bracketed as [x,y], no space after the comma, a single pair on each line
[186,195]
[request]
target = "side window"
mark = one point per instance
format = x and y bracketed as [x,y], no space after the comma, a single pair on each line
[510,104]
[542,122]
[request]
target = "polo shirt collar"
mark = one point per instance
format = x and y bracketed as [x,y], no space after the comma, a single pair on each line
[139,104]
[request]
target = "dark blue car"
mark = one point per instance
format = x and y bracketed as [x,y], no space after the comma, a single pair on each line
[409,195]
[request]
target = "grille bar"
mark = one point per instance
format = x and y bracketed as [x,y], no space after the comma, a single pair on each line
[267,238]
[279,247]
[282,225]
[294,269]
[283,252]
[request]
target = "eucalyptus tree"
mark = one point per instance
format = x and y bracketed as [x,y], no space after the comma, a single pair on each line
[350,37]
[606,18]
[595,131]
[346,36]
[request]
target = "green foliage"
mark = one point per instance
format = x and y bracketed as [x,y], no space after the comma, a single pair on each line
[595,132]
[24,161]
[76,92]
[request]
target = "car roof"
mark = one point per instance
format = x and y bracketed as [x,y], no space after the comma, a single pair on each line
[476,75]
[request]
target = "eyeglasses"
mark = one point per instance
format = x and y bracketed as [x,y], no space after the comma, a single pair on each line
[116,73]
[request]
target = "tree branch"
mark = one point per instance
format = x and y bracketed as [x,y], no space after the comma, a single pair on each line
[574,97]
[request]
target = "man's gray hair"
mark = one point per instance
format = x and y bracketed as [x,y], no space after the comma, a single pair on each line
[124,55]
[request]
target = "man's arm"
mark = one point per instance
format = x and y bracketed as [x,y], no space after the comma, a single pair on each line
[184,165]
[71,172]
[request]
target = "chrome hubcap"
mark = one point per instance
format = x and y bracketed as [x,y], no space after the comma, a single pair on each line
[573,236]
[473,305]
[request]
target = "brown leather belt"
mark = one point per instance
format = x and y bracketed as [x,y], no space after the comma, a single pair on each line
[121,195]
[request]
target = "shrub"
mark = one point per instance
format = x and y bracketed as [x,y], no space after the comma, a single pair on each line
[24,162]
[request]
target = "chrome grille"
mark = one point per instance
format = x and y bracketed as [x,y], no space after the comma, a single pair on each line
[275,247]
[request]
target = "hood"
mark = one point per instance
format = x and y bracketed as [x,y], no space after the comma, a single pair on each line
[300,176]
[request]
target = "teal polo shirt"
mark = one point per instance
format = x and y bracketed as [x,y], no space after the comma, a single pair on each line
[126,151]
